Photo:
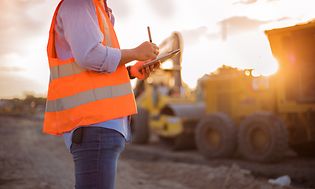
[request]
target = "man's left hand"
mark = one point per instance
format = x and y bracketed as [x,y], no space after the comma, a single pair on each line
[141,72]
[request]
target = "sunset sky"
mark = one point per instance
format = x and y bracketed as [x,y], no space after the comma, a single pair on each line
[218,32]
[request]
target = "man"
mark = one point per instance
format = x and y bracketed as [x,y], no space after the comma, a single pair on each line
[90,97]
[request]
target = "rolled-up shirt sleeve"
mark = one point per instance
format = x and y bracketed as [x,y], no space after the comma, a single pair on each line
[81,31]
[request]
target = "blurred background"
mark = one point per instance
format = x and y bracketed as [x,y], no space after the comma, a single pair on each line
[224,37]
[226,32]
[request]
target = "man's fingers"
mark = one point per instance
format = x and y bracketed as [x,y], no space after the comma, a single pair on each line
[157,65]
[155,49]
[147,70]
[143,72]
[152,67]
[154,45]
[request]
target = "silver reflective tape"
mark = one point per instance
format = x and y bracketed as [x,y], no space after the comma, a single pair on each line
[88,96]
[50,105]
[54,72]
[107,34]
[65,70]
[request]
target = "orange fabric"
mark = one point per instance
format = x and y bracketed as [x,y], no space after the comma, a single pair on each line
[135,70]
[56,62]
[111,29]
[85,81]
[51,51]
[86,115]
[59,122]
[99,18]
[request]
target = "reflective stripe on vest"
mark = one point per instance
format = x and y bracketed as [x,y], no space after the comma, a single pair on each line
[65,70]
[87,97]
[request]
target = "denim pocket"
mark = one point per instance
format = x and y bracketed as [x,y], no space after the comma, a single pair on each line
[111,139]
[90,140]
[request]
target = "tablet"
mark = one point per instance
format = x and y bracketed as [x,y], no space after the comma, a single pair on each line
[162,57]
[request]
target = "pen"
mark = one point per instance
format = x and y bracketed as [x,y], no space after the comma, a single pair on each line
[149,33]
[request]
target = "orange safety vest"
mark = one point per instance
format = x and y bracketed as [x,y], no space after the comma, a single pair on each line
[77,96]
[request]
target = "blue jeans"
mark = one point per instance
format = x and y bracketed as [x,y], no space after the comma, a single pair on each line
[95,159]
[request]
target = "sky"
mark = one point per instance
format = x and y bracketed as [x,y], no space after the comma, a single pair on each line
[229,32]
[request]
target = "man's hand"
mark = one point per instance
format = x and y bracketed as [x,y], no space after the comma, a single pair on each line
[141,73]
[146,51]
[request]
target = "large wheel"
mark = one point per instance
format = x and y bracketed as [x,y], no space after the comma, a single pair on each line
[216,136]
[139,127]
[262,137]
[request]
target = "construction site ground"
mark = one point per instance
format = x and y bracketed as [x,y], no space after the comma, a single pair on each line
[30,159]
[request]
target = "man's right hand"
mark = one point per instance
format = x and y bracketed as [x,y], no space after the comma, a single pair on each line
[146,51]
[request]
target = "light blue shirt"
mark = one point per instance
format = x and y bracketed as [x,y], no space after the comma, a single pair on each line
[77,35]
[121,125]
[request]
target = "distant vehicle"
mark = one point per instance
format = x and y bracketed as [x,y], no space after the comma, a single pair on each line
[232,110]
[260,116]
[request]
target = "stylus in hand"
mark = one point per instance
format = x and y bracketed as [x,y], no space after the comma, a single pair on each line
[149,33]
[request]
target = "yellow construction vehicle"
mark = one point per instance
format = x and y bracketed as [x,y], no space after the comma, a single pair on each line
[294,88]
[240,113]
[258,116]
[162,89]
[262,116]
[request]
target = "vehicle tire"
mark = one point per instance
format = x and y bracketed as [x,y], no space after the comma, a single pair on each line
[263,137]
[216,136]
[139,127]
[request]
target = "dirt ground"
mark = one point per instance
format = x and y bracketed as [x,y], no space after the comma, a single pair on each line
[32,160]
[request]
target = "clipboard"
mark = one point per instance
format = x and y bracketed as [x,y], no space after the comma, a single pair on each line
[162,57]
